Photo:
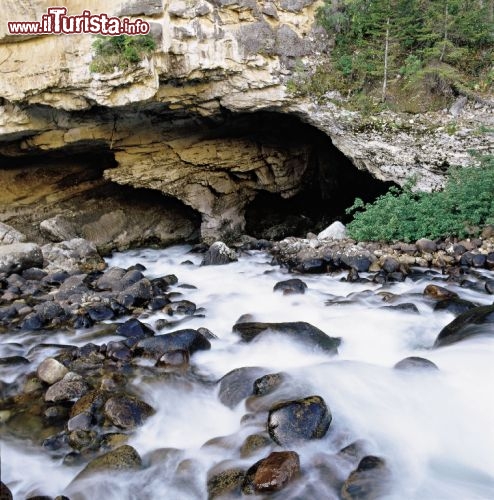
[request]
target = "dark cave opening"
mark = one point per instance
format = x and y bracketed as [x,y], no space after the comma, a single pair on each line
[329,186]
[36,185]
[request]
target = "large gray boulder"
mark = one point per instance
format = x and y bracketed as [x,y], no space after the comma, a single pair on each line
[9,235]
[19,256]
[72,255]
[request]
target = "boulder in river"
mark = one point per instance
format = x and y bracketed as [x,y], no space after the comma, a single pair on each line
[72,386]
[299,331]
[126,411]
[370,480]
[238,384]
[415,363]
[121,459]
[291,286]
[50,371]
[299,420]
[188,339]
[271,473]
[439,292]
[222,483]
[218,254]
[476,321]
[134,328]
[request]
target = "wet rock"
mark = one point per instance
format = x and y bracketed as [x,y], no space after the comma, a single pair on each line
[50,371]
[299,331]
[299,420]
[476,321]
[479,260]
[5,493]
[82,421]
[489,286]
[90,403]
[271,473]
[390,265]
[253,443]
[268,383]
[439,292]
[121,459]
[136,295]
[455,305]
[425,245]
[32,321]
[174,360]
[126,411]
[100,312]
[188,339]
[134,328]
[112,279]
[157,303]
[335,231]
[359,263]
[48,311]
[72,386]
[489,263]
[224,483]
[16,257]
[405,306]
[81,439]
[415,363]
[369,481]
[218,254]
[238,384]
[466,259]
[118,351]
[181,307]
[14,361]
[7,313]
[290,287]
[312,266]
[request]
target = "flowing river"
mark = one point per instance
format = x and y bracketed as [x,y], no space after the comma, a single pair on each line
[434,428]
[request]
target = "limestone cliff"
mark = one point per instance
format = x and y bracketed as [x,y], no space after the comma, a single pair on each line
[183,121]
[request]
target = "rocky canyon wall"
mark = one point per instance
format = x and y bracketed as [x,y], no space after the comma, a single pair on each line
[199,121]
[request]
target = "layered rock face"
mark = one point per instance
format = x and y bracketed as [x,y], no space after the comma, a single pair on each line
[189,122]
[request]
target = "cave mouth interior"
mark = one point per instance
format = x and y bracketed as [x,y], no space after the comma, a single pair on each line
[329,186]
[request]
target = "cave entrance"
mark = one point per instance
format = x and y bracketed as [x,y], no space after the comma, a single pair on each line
[69,184]
[329,186]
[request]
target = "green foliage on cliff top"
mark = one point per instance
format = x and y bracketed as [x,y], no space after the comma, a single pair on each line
[121,51]
[416,48]
[465,205]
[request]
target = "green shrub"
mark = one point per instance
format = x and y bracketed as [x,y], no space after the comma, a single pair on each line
[121,51]
[464,205]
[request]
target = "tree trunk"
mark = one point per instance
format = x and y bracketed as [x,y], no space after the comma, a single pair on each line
[386,50]
[445,32]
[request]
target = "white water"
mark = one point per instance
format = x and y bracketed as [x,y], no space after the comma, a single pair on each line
[435,429]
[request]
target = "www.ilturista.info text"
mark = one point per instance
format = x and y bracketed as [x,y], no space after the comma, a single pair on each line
[57,22]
